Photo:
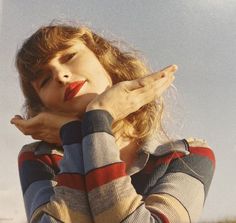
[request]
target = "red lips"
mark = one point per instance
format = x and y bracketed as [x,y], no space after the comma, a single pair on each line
[72,89]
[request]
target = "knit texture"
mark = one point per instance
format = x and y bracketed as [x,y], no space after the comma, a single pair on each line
[86,181]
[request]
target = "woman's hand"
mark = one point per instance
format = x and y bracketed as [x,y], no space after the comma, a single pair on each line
[44,126]
[127,97]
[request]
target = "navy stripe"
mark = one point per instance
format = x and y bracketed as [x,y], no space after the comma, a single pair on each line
[196,166]
[96,121]
[142,181]
[32,171]
[46,218]
[71,133]
[37,194]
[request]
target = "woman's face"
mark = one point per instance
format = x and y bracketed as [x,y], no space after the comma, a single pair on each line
[71,80]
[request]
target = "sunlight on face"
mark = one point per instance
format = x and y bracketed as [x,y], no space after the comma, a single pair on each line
[59,80]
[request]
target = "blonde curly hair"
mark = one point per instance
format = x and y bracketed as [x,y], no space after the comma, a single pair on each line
[121,65]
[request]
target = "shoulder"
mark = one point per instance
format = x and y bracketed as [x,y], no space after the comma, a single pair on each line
[190,148]
[201,147]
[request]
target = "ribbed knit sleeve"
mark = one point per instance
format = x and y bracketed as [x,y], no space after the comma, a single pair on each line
[53,185]
[90,183]
[174,191]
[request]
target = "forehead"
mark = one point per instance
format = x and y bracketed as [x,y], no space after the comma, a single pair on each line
[75,46]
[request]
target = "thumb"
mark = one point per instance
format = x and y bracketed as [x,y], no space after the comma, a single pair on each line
[16,119]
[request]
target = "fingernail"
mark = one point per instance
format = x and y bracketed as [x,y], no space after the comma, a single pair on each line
[174,67]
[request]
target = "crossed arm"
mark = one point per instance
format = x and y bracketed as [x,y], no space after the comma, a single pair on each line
[92,185]
[89,183]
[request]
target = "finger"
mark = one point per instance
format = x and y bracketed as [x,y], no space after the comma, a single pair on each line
[146,95]
[25,126]
[160,90]
[170,67]
[15,118]
[170,70]
[150,79]
[143,82]
[22,129]
[154,85]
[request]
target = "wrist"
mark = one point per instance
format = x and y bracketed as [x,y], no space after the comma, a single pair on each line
[97,120]
[94,107]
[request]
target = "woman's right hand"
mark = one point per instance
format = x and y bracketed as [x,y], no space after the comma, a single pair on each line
[127,97]
[45,126]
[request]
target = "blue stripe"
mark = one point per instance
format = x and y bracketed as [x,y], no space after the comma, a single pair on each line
[99,150]
[32,170]
[48,219]
[72,161]
[37,194]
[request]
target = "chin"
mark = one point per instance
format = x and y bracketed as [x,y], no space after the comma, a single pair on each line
[77,106]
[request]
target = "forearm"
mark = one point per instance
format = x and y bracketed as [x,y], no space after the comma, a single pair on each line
[170,194]
[112,197]
[55,196]
[182,182]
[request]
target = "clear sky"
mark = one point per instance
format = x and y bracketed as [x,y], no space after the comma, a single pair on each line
[198,35]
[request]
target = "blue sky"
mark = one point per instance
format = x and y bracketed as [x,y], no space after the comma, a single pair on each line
[199,36]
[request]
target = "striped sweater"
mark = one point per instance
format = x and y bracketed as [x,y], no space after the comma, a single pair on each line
[86,181]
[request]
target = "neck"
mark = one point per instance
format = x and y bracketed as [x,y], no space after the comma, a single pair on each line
[128,150]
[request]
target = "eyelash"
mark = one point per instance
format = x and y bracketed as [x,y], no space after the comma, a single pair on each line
[44,81]
[65,59]
[68,57]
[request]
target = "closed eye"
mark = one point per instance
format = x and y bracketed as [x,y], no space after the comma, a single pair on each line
[67,57]
[44,81]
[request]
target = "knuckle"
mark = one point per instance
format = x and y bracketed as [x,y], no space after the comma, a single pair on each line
[143,82]
[163,74]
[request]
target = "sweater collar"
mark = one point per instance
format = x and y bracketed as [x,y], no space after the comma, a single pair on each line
[153,147]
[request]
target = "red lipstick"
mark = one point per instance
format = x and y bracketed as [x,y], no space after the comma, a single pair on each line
[72,89]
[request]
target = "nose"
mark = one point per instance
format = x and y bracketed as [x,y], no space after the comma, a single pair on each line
[62,76]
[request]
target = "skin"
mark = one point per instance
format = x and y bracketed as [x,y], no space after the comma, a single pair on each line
[120,100]
[78,63]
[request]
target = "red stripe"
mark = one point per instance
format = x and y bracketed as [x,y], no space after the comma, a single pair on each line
[71,180]
[163,218]
[51,160]
[101,176]
[56,159]
[203,151]
[150,166]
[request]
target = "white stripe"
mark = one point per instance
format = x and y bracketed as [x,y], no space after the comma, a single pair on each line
[188,190]
[99,149]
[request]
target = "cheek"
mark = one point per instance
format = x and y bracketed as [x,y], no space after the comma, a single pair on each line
[50,99]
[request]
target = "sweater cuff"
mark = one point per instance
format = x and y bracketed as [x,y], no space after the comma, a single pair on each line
[71,133]
[96,121]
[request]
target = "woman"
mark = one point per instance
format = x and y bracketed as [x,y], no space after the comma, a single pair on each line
[97,113]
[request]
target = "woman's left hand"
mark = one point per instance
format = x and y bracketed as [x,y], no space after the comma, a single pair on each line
[128,96]
[45,126]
